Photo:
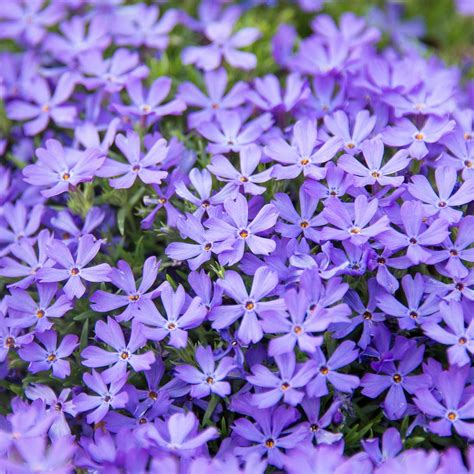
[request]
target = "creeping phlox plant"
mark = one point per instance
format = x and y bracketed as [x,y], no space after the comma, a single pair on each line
[231,249]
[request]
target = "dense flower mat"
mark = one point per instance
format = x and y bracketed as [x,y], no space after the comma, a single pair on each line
[228,250]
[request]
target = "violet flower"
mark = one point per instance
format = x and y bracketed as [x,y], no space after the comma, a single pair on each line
[74,270]
[50,357]
[125,353]
[208,378]
[249,306]
[286,384]
[138,166]
[107,397]
[136,299]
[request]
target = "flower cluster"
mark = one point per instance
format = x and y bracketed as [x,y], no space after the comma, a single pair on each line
[209,266]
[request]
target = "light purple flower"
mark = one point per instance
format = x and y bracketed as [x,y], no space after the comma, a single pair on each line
[208,378]
[50,357]
[74,270]
[125,353]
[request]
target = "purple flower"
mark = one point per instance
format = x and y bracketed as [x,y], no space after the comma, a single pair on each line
[143,167]
[58,169]
[441,204]
[301,155]
[362,127]
[21,223]
[390,446]
[461,153]
[344,354]
[148,107]
[50,357]
[455,253]
[224,45]
[406,133]
[125,353]
[416,235]
[416,311]
[113,73]
[242,232]
[45,106]
[10,337]
[457,405]
[74,270]
[202,183]
[230,133]
[181,315]
[249,306]
[199,253]
[304,222]
[58,404]
[209,379]
[270,434]
[269,96]
[286,384]
[107,397]
[135,299]
[216,99]
[142,27]
[353,222]
[316,424]
[301,325]
[456,335]
[65,222]
[179,434]
[374,172]
[250,157]
[397,380]
[26,312]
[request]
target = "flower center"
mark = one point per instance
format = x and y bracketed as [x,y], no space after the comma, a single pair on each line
[269,443]
[314,427]
[162,200]
[244,179]
[134,297]
[107,398]
[413,241]
[420,136]
[207,246]
[324,370]
[413,315]
[124,355]
[397,378]
[74,271]
[10,342]
[249,305]
[351,146]
[52,358]
[244,233]
[367,315]
[58,406]
[40,314]
[45,108]
[375,174]
[66,176]
[210,380]
[381,261]
[285,386]
[459,287]
[355,230]
[304,161]
[152,394]
[304,224]
[462,340]
[171,326]
[453,253]
[297,330]
[468,164]
[442,204]
[146,108]
[451,416]
[215,106]
[420,106]
[205,204]
[136,168]
[142,421]
[467,136]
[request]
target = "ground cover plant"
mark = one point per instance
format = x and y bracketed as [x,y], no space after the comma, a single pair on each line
[236,237]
